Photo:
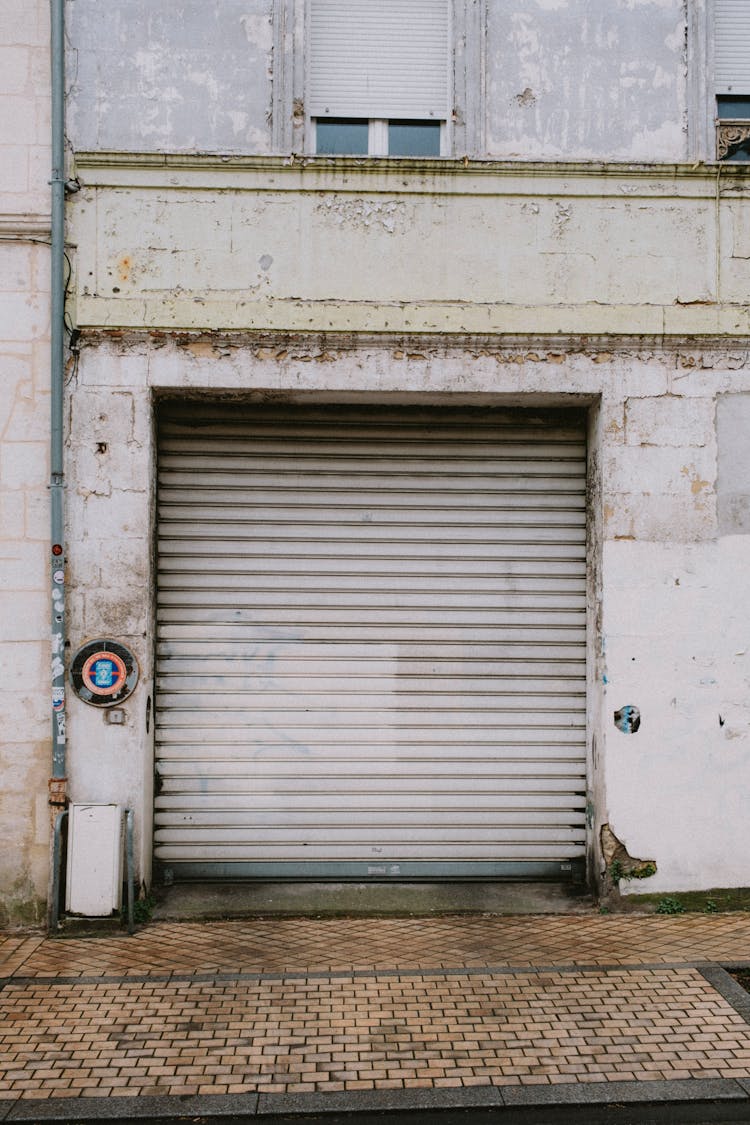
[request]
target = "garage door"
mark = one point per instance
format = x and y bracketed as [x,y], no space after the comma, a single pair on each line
[371,642]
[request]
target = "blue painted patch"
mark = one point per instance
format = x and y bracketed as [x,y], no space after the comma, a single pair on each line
[628,719]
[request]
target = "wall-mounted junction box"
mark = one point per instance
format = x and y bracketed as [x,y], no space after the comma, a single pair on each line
[95,850]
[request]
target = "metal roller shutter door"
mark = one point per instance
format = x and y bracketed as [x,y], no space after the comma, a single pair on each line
[371,642]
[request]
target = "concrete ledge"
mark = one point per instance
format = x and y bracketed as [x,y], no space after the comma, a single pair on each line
[360,1101]
[346,974]
[134,1109]
[203,901]
[608,1093]
[727,987]
[682,1094]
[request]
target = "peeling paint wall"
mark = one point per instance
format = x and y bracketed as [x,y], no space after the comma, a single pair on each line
[733,484]
[150,75]
[493,280]
[462,249]
[109,513]
[676,631]
[664,635]
[558,78]
[582,78]
[25,743]
[572,262]
[674,614]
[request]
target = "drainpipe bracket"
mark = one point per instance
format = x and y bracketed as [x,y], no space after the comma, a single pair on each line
[58,795]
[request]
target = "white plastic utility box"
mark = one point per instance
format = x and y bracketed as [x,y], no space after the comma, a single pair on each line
[95,851]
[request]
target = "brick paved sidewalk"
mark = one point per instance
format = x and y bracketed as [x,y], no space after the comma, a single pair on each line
[324,1007]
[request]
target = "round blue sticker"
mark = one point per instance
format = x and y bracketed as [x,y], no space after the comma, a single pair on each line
[104,672]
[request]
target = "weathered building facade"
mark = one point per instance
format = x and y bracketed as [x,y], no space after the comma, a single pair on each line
[407,436]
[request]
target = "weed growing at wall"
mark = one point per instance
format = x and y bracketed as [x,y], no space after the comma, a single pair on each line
[669,906]
[143,908]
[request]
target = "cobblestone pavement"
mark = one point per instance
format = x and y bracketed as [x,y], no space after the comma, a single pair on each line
[302,1006]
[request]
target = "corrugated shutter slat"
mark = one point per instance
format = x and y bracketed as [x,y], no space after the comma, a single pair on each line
[371,637]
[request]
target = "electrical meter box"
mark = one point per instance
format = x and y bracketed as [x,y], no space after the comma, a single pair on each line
[95,852]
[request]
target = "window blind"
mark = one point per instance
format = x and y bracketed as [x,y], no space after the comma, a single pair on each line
[384,60]
[732,46]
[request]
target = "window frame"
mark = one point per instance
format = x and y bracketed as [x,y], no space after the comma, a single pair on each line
[728,128]
[378,126]
[292,130]
[377,138]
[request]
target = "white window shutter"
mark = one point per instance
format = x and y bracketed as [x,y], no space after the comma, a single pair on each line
[388,59]
[732,46]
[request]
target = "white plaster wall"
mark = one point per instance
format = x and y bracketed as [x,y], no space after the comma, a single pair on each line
[534,79]
[25,743]
[24,108]
[571,79]
[668,596]
[108,516]
[674,630]
[271,245]
[677,648]
[154,75]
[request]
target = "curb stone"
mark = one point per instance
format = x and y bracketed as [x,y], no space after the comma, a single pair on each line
[687,1092]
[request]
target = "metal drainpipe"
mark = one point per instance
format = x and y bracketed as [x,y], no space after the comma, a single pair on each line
[58,781]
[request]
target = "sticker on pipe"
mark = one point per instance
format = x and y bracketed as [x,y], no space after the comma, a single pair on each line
[104,672]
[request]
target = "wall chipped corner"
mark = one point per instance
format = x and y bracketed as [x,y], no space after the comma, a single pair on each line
[618,861]
[627,719]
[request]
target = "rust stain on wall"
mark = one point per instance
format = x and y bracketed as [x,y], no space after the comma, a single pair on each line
[124,267]
[697,485]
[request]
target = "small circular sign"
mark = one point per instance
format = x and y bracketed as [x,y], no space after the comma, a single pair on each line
[104,672]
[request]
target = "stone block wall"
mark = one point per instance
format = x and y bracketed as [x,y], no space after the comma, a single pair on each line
[25,744]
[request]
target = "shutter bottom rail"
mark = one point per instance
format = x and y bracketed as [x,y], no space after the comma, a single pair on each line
[570,870]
